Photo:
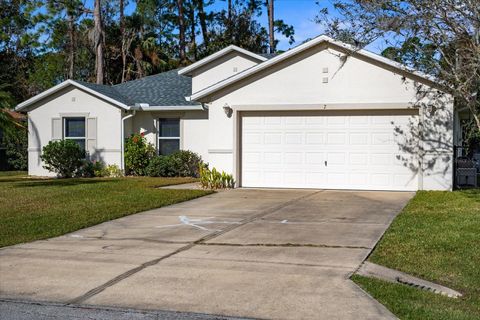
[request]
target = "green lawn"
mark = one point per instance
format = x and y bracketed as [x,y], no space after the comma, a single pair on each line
[437,238]
[33,209]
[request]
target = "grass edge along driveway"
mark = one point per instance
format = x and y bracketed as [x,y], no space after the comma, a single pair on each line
[436,237]
[33,209]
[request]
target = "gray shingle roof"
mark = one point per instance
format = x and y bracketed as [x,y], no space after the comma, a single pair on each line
[108,91]
[163,89]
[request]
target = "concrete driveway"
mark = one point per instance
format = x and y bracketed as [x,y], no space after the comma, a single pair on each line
[278,254]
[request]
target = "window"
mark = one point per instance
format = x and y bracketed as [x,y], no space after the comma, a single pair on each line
[74,129]
[168,135]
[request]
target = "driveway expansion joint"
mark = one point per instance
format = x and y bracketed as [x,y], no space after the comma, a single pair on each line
[283,245]
[95,291]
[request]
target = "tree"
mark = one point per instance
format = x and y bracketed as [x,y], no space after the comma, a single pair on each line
[16,145]
[181,33]
[7,122]
[98,42]
[442,35]
[240,28]
[271,32]
[202,16]
[124,47]
[192,21]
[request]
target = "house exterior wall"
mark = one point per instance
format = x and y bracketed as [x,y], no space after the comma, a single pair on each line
[70,102]
[298,84]
[220,69]
[193,128]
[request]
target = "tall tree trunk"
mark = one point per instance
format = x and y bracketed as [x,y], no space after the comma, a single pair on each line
[229,32]
[230,9]
[271,31]
[181,30]
[124,40]
[203,23]
[71,45]
[192,29]
[98,41]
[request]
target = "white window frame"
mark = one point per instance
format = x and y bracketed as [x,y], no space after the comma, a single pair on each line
[169,138]
[84,138]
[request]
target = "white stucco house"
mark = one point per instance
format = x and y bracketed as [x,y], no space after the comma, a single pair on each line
[317,116]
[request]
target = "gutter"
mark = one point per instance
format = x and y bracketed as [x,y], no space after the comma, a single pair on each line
[122,139]
[147,107]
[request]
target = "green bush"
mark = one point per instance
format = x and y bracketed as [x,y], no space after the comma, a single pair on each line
[90,169]
[182,163]
[138,153]
[16,145]
[64,157]
[161,166]
[214,179]
[186,163]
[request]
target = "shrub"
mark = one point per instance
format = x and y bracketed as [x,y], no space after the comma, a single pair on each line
[85,170]
[186,163]
[182,163]
[162,166]
[64,157]
[16,145]
[138,153]
[213,179]
[91,169]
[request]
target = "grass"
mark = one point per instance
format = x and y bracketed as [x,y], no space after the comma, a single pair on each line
[33,209]
[437,238]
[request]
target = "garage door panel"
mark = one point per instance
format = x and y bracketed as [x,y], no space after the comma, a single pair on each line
[294,158]
[336,138]
[334,151]
[358,159]
[294,138]
[359,138]
[314,138]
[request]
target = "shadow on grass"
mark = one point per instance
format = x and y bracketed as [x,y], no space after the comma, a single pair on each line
[61,182]
[473,194]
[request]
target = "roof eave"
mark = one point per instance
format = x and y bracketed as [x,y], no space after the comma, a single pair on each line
[320,39]
[187,70]
[65,84]
[169,108]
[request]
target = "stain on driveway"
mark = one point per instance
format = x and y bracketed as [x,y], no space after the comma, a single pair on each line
[279,254]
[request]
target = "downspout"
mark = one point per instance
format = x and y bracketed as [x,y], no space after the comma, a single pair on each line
[122,141]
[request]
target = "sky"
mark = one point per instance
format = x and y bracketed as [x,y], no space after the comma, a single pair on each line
[299,13]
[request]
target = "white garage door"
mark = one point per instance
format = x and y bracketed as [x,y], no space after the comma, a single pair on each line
[334,150]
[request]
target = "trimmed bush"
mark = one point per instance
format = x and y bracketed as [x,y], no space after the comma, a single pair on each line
[64,157]
[138,153]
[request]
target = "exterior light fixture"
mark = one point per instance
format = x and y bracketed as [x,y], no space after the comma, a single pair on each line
[228,110]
